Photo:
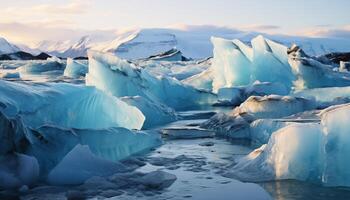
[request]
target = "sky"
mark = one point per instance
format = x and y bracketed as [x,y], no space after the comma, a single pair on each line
[34,20]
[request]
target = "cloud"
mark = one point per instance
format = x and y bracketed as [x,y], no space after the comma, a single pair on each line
[49,12]
[32,33]
[260,27]
[327,31]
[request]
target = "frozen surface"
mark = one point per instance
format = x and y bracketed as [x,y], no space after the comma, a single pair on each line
[121,78]
[75,69]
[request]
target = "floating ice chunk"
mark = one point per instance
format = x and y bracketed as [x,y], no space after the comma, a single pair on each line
[67,105]
[79,165]
[233,126]
[155,113]
[293,152]
[158,180]
[312,74]
[236,95]
[10,75]
[17,170]
[304,151]
[75,69]
[121,78]
[326,96]
[274,106]
[40,67]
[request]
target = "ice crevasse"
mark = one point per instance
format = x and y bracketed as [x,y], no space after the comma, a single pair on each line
[315,152]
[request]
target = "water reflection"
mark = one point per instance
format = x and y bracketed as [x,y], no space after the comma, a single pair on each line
[291,189]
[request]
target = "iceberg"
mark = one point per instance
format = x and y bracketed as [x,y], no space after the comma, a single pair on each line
[314,152]
[310,73]
[82,107]
[122,78]
[274,106]
[237,64]
[57,117]
[75,69]
[36,67]
[326,97]
[293,152]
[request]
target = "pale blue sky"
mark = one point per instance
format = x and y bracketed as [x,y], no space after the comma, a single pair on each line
[274,16]
[159,13]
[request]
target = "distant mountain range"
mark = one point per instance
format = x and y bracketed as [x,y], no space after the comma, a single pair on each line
[193,43]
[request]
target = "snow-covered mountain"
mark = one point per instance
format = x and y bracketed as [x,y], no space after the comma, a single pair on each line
[193,42]
[6,47]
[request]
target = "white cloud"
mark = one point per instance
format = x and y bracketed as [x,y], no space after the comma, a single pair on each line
[31,33]
[326,31]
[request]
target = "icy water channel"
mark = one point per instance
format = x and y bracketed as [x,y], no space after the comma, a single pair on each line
[199,165]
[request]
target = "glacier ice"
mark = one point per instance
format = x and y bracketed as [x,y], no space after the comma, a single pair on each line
[237,64]
[275,106]
[17,170]
[121,78]
[40,67]
[79,165]
[314,152]
[203,80]
[310,73]
[56,117]
[155,113]
[83,107]
[236,95]
[241,122]
[293,152]
[75,69]
[326,96]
